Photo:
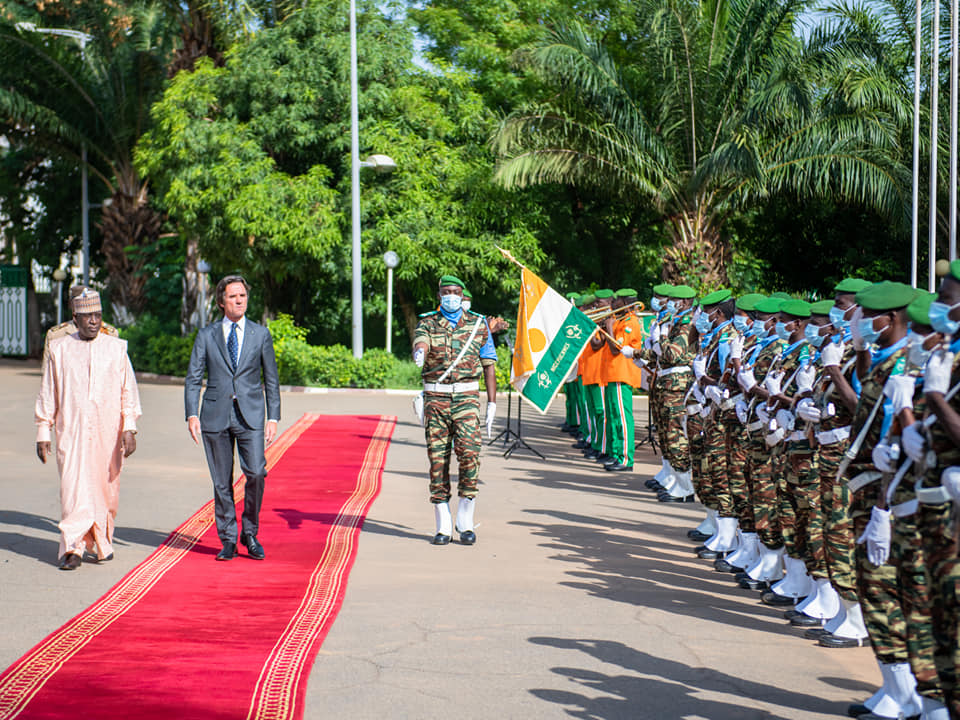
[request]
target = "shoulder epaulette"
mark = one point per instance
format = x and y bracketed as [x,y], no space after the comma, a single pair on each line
[428,314]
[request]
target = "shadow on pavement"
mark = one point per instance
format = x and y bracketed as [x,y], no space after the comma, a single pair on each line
[659,688]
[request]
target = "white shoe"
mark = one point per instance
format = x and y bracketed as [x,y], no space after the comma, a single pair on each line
[836,621]
[852,626]
[823,603]
[747,553]
[768,567]
[465,507]
[441,513]
[904,689]
[797,583]
[670,484]
[684,482]
[934,710]
[725,539]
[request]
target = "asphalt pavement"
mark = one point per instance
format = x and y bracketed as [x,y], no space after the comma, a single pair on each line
[582,597]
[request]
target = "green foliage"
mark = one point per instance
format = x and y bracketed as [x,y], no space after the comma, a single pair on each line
[153,348]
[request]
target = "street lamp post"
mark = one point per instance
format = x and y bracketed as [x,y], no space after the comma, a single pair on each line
[203,267]
[391,260]
[59,275]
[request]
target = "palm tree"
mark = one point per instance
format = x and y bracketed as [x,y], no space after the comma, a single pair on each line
[722,107]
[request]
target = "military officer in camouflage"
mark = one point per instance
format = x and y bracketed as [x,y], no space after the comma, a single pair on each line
[453,346]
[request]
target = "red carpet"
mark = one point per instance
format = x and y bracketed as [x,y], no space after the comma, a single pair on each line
[182,636]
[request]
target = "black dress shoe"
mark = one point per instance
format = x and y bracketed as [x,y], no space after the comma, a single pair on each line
[857,710]
[70,561]
[591,454]
[254,548]
[653,484]
[750,584]
[609,461]
[791,614]
[741,576]
[440,539]
[566,428]
[805,621]
[772,598]
[829,640]
[698,536]
[228,552]
[89,557]
[467,537]
[581,444]
[618,467]
[708,554]
[604,459]
[668,498]
[723,565]
[815,633]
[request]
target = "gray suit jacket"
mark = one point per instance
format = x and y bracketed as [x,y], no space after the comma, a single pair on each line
[257,359]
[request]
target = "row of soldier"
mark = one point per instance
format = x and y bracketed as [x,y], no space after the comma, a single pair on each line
[823,439]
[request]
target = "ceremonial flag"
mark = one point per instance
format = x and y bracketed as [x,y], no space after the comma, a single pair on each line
[551,334]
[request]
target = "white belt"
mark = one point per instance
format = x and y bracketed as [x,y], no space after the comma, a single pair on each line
[797,436]
[694,409]
[860,481]
[451,387]
[933,496]
[905,509]
[829,437]
[754,426]
[675,369]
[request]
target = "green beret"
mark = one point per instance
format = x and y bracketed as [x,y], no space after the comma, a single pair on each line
[603,294]
[717,296]
[919,309]
[851,285]
[955,269]
[467,294]
[782,295]
[886,295]
[769,305]
[663,289]
[749,301]
[682,292]
[797,308]
[626,292]
[821,307]
[451,280]
[586,300]
[572,297]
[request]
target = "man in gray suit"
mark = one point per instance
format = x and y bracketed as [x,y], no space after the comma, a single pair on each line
[235,353]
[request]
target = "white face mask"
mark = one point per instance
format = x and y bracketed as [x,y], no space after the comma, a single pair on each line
[451,302]
[465,304]
[916,354]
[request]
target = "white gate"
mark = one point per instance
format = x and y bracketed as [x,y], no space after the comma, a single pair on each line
[13,311]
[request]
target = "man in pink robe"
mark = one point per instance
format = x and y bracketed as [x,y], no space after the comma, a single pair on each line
[89,394]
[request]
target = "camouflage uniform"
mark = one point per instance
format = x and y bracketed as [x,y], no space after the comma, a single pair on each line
[714,460]
[738,451]
[452,420]
[763,498]
[876,586]
[672,382]
[795,469]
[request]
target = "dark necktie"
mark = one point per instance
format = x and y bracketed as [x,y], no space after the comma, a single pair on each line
[233,347]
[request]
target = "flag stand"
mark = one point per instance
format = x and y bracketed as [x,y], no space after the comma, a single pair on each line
[506,434]
[651,437]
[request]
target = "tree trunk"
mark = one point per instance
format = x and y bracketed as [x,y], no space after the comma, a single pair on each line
[190,310]
[698,257]
[410,318]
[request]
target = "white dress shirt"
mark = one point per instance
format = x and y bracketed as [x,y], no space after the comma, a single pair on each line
[226,325]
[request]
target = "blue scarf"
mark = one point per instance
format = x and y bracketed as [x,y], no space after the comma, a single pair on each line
[452,317]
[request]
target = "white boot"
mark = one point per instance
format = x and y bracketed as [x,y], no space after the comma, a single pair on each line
[709,524]
[797,583]
[822,604]
[725,539]
[465,508]
[662,472]
[684,482]
[836,621]
[852,625]
[669,483]
[904,689]
[768,567]
[882,702]
[441,512]
[934,710]
[747,553]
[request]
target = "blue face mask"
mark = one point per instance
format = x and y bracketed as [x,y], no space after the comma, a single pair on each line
[917,355]
[671,307]
[836,318]
[656,304]
[940,318]
[451,303]
[760,327]
[703,323]
[812,333]
[741,323]
[870,334]
[782,332]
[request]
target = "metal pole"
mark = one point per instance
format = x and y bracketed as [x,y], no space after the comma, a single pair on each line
[85,215]
[355,296]
[202,315]
[934,121]
[954,48]
[389,309]
[59,302]
[915,230]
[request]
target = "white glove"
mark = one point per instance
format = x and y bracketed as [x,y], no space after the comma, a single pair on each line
[772,381]
[763,414]
[713,394]
[742,410]
[657,350]
[950,479]
[775,437]
[806,410]
[698,394]
[746,378]
[786,420]
[936,376]
[914,442]
[704,411]
[640,362]
[699,366]
[491,414]
[626,351]
[885,457]
[805,377]
[877,536]
[832,354]
[736,347]
[655,332]
[418,357]
[899,388]
[859,343]
[647,343]
[418,407]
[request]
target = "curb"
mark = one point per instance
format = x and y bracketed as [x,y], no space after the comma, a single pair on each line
[173,380]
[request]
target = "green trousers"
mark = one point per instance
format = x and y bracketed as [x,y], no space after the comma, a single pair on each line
[618,398]
[594,395]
